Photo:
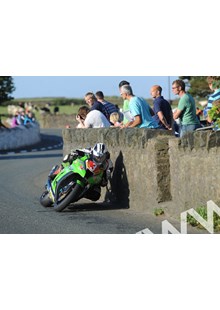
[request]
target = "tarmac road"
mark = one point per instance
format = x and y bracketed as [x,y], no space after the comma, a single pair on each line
[22,179]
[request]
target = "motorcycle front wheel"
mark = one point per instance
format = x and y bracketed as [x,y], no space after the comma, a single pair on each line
[70,197]
[45,200]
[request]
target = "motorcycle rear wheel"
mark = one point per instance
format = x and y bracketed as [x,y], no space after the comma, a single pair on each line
[45,200]
[71,197]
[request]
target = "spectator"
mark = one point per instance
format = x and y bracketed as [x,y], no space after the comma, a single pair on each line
[110,107]
[162,109]
[186,109]
[125,108]
[94,104]
[121,115]
[15,121]
[214,85]
[29,118]
[21,116]
[28,106]
[115,119]
[91,118]
[22,105]
[139,109]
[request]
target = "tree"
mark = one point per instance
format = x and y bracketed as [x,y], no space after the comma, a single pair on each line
[6,88]
[199,86]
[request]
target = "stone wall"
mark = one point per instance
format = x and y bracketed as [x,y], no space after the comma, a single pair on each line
[195,169]
[155,169]
[14,138]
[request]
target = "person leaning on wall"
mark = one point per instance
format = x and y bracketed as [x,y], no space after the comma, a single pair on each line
[162,109]
[139,109]
[91,118]
[186,109]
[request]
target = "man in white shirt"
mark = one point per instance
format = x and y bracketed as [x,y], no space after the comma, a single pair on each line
[91,119]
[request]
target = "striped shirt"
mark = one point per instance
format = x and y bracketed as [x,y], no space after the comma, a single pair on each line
[110,108]
[212,98]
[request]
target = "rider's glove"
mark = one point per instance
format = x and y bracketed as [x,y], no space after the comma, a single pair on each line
[70,157]
[66,158]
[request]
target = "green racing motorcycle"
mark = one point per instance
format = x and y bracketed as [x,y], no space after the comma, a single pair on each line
[73,182]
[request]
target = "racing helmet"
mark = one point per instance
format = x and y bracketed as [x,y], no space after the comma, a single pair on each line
[99,153]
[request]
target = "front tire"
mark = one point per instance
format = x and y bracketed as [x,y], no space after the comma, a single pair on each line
[71,197]
[45,200]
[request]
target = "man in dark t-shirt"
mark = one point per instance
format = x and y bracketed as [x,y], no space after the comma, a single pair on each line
[162,109]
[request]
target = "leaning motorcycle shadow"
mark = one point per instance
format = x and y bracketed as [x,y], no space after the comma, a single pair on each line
[119,191]
[116,196]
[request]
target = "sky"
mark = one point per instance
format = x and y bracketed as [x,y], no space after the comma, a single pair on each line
[78,86]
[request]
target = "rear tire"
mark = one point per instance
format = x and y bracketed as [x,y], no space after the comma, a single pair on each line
[45,200]
[71,197]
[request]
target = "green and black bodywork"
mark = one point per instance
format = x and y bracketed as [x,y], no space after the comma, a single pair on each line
[72,183]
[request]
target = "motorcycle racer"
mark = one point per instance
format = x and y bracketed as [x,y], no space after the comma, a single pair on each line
[99,158]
